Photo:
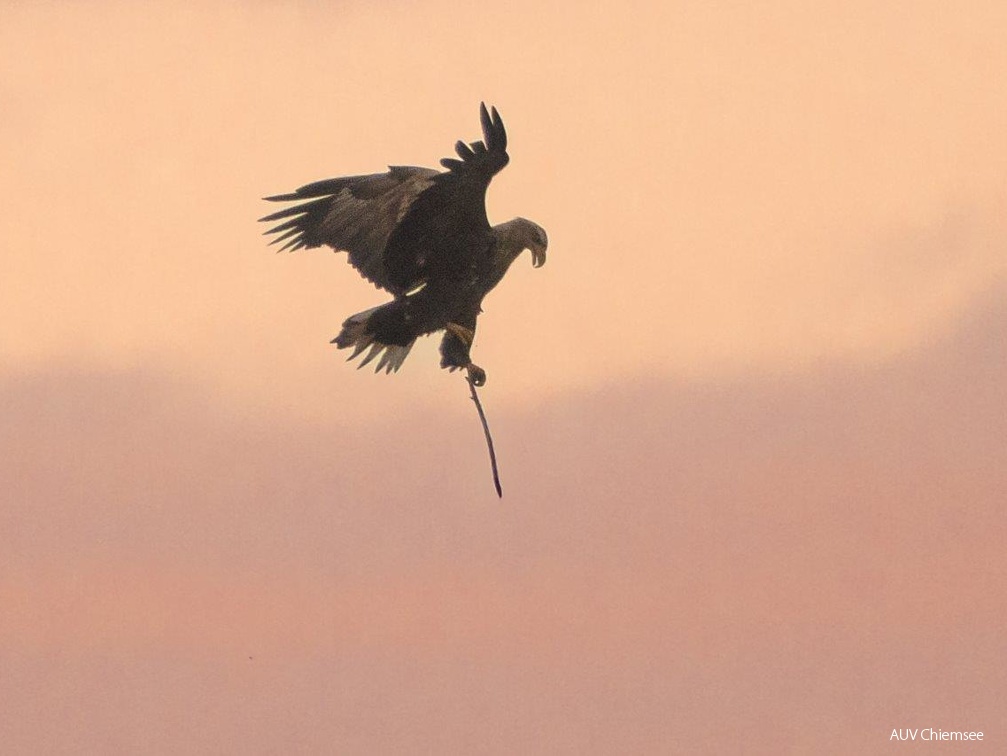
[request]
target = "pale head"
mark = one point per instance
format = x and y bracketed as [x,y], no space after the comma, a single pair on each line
[520,234]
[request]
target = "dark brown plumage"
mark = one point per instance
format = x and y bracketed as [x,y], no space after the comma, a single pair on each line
[423,236]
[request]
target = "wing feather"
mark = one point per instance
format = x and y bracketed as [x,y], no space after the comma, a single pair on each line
[408,226]
[356,214]
[446,229]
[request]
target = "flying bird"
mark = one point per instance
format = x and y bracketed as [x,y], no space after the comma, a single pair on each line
[423,236]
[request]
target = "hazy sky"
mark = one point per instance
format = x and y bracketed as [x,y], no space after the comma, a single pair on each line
[751,415]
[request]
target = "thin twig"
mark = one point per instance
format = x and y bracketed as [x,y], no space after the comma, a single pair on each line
[489,438]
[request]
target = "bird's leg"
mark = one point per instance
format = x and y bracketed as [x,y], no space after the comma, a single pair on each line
[466,335]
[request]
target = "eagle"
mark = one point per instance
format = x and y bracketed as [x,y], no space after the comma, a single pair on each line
[424,237]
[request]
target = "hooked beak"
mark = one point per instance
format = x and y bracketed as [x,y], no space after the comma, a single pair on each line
[537,256]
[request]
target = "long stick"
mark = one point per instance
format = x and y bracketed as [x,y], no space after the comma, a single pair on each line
[489,438]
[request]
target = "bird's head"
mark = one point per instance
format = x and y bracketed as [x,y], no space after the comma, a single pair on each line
[538,245]
[528,235]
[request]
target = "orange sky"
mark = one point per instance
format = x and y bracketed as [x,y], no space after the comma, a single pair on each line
[750,415]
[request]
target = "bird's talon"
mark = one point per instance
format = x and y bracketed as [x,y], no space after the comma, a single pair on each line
[476,374]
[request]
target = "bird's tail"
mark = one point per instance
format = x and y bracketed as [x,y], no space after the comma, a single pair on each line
[357,333]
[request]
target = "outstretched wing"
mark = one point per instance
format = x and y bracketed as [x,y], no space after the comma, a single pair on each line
[445,230]
[356,214]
